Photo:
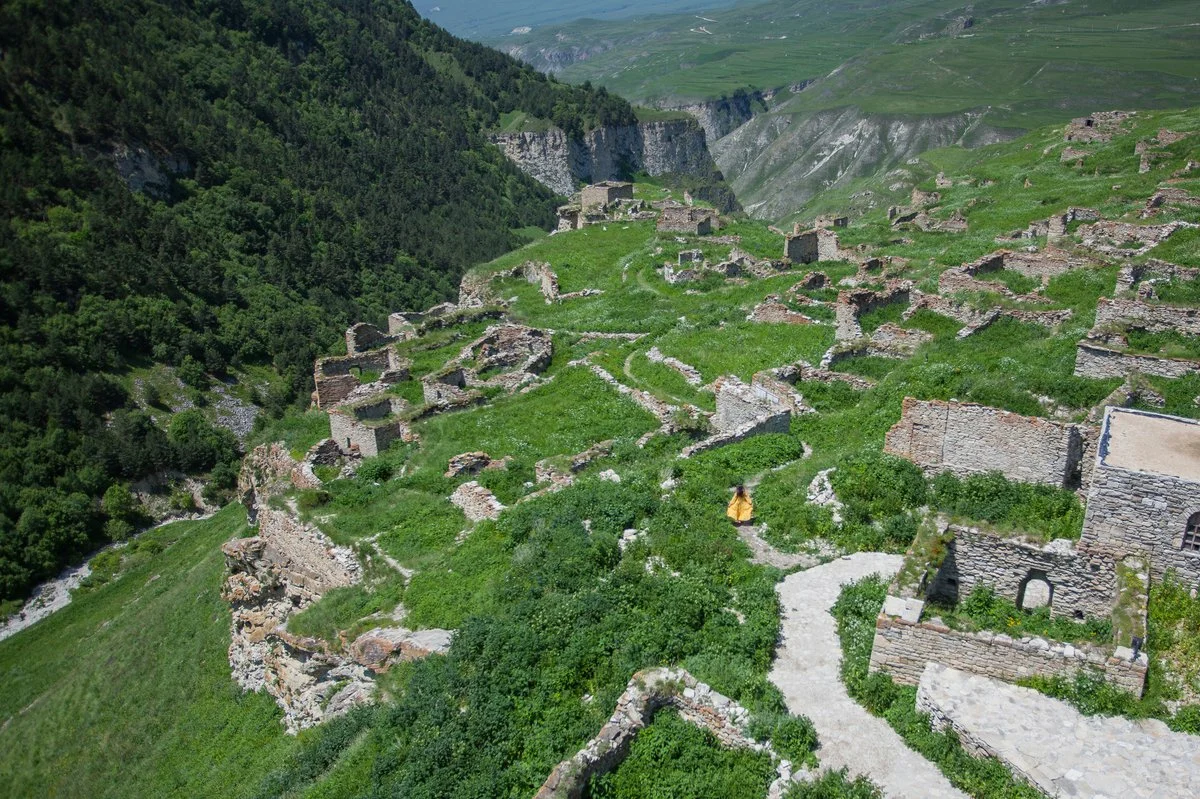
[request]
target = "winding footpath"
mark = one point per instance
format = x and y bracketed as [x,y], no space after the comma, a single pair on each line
[806,671]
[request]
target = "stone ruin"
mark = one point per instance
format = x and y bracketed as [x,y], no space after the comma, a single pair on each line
[766,405]
[607,201]
[773,310]
[1098,127]
[1126,240]
[851,305]
[811,246]
[1054,228]
[1126,541]
[1141,278]
[649,691]
[1146,455]
[508,357]
[475,290]
[1169,197]
[1074,581]
[1104,353]
[691,265]
[286,567]
[339,378]
[685,219]
[476,502]
[602,195]
[888,341]
[967,439]
[689,373]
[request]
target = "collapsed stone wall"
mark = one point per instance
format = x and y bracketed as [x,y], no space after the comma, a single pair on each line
[967,439]
[773,311]
[1082,584]
[851,305]
[903,648]
[1098,127]
[888,341]
[365,437]
[1141,277]
[1115,238]
[739,404]
[648,692]
[685,219]
[1152,317]
[1101,363]
[335,381]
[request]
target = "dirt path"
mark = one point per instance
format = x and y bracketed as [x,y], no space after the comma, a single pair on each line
[806,671]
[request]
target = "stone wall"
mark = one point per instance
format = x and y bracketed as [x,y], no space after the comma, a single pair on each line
[811,246]
[600,195]
[684,219]
[367,437]
[1155,318]
[1134,276]
[647,692]
[903,648]
[851,305]
[967,439]
[1139,513]
[1101,363]
[1082,584]
[739,404]
[335,381]
[476,502]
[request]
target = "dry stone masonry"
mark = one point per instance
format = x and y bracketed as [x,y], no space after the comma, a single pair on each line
[648,692]
[283,569]
[1144,498]
[967,439]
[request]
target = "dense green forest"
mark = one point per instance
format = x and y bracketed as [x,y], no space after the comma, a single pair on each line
[217,183]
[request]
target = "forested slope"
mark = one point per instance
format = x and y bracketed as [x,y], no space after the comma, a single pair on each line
[216,183]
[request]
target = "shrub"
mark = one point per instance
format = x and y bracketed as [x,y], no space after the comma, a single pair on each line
[793,737]
[312,498]
[991,497]
[875,486]
[835,785]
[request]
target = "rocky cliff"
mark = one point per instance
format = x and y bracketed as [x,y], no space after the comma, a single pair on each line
[721,117]
[610,153]
[781,159]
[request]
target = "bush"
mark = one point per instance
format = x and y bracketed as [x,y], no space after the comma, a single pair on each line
[835,785]
[312,498]
[1050,512]
[199,445]
[982,609]
[874,486]
[793,737]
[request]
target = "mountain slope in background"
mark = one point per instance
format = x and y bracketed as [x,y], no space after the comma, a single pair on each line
[213,184]
[993,69]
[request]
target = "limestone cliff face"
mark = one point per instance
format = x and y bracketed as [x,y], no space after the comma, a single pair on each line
[609,153]
[721,117]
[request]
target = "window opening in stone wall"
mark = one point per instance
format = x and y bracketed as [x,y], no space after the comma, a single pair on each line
[1191,536]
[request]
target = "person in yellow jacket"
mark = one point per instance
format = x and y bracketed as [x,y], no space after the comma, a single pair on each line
[740,509]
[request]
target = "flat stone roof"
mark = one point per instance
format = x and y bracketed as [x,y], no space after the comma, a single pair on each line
[1151,442]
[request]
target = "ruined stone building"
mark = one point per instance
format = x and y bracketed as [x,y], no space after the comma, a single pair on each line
[966,439]
[811,246]
[601,195]
[1144,498]
[685,219]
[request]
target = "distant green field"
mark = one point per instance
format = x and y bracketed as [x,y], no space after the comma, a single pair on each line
[1031,64]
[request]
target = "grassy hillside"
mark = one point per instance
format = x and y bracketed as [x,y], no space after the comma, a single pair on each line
[220,187]
[863,87]
[1031,62]
[127,691]
[553,616]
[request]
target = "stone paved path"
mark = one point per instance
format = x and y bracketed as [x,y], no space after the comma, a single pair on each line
[1059,750]
[806,671]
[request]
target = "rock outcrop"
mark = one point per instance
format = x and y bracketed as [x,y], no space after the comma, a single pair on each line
[609,153]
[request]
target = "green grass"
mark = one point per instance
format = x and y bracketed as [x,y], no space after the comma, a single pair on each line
[983,610]
[673,757]
[128,691]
